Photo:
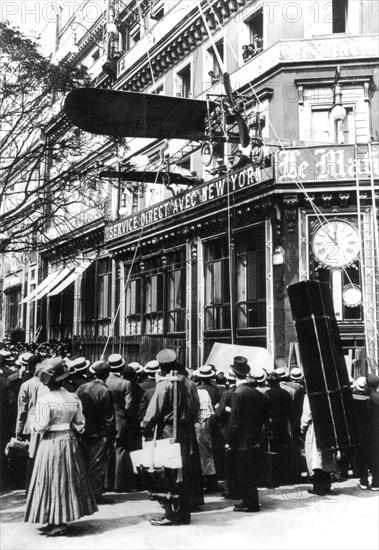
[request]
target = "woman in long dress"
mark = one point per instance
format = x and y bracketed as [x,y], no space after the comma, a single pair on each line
[59,490]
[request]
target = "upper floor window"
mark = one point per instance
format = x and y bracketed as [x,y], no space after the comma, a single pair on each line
[157,10]
[212,60]
[184,81]
[158,90]
[255,35]
[339,15]
[325,130]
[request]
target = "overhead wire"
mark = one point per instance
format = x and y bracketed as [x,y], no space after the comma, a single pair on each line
[318,213]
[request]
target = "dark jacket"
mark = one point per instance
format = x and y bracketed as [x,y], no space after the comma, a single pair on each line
[98,410]
[248,414]
[122,402]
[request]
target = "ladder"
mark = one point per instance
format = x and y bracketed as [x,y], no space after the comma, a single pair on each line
[369,239]
[177,157]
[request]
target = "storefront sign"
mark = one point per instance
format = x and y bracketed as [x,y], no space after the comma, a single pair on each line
[205,193]
[319,164]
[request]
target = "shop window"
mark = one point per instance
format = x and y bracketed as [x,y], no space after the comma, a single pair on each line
[97,299]
[217,293]
[133,301]
[184,82]
[153,297]
[175,275]
[255,33]
[62,314]
[251,279]
[105,289]
[12,299]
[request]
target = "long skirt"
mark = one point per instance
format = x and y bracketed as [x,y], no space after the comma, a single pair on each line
[204,440]
[59,490]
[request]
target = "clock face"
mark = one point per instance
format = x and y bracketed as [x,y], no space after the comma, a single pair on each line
[352,295]
[335,244]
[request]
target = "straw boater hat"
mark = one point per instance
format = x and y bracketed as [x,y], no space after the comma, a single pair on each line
[240,366]
[78,364]
[136,366]
[296,373]
[360,383]
[152,367]
[205,371]
[259,374]
[115,361]
[282,372]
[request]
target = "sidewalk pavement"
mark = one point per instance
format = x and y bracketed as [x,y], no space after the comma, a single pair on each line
[290,518]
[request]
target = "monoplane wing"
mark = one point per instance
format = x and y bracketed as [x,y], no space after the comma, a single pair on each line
[164,177]
[132,114]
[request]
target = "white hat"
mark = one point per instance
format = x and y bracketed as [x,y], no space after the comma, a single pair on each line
[282,372]
[259,374]
[360,383]
[152,366]
[136,366]
[296,373]
[205,371]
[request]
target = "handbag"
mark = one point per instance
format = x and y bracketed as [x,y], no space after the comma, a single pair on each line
[16,448]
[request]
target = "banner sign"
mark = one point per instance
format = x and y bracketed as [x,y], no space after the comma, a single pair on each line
[322,164]
[204,193]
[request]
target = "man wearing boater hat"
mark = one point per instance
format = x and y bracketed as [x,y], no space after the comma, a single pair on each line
[248,413]
[121,390]
[100,430]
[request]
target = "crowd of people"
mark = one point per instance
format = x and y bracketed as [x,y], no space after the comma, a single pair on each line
[238,430]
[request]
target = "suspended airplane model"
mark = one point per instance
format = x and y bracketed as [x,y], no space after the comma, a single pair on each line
[133,114]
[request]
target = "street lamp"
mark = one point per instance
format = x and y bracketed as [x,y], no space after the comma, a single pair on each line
[338,111]
[74,46]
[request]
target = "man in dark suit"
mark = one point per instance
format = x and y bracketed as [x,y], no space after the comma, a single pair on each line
[121,390]
[248,414]
[100,428]
[160,413]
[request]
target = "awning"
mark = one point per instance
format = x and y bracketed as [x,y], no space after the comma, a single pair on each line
[78,270]
[60,276]
[43,284]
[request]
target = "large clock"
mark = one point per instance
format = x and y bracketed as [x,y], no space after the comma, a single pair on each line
[335,244]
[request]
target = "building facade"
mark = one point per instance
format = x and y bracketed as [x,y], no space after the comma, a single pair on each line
[189,266]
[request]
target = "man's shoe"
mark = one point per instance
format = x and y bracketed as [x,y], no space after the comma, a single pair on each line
[318,492]
[363,486]
[243,508]
[374,488]
[163,521]
[102,500]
